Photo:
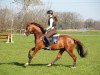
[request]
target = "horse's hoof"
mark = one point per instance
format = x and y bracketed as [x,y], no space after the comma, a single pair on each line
[73,67]
[49,65]
[26,64]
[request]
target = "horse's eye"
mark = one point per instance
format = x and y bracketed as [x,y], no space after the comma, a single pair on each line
[29,29]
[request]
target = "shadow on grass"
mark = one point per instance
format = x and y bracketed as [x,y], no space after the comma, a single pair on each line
[58,65]
[22,64]
[13,63]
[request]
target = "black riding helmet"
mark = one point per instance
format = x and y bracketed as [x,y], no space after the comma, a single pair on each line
[49,12]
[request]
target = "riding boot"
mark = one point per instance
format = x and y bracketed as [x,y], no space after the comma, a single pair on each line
[47,43]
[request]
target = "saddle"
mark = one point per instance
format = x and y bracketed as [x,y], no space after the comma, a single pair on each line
[53,39]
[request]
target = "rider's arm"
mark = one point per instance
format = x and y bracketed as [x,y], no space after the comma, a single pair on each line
[51,24]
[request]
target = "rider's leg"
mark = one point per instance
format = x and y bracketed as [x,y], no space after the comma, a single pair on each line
[48,35]
[47,42]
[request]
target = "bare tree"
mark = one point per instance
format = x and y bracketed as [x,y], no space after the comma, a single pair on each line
[24,14]
[69,20]
[97,25]
[5,16]
[32,10]
[89,23]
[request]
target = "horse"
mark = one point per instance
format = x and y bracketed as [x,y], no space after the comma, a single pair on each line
[65,44]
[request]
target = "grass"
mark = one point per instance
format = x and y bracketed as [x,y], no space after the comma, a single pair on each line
[78,32]
[14,55]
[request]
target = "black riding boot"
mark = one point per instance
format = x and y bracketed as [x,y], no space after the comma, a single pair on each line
[47,43]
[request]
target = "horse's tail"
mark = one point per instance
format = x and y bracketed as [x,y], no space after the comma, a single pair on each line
[80,48]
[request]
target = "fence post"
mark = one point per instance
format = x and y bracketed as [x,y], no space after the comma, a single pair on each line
[9,39]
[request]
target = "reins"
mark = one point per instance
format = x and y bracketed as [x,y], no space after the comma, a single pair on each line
[36,33]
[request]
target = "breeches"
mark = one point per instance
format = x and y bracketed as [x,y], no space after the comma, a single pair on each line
[50,33]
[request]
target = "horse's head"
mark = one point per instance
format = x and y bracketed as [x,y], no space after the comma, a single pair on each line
[29,29]
[34,28]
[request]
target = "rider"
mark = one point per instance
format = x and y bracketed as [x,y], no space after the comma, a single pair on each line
[51,29]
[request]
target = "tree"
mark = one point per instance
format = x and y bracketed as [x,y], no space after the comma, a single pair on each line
[5,15]
[89,23]
[24,14]
[97,25]
[28,2]
[69,20]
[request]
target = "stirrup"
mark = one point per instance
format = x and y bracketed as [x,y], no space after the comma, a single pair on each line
[48,48]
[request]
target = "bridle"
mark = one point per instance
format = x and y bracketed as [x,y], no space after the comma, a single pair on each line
[35,33]
[39,33]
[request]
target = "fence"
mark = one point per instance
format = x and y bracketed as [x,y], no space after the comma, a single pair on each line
[7,37]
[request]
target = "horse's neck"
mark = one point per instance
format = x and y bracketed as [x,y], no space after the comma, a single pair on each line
[38,34]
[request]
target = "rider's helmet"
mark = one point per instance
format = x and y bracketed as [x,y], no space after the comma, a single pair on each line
[50,12]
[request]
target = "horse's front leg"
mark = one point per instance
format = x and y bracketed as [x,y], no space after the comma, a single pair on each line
[31,54]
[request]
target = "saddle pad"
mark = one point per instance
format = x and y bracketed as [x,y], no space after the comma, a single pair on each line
[55,38]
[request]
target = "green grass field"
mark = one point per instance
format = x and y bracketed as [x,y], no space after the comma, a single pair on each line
[14,55]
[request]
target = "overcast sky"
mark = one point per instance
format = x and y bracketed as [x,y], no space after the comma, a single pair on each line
[86,8]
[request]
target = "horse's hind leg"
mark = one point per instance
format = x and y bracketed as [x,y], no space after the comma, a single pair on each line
[70,52]
[58,57]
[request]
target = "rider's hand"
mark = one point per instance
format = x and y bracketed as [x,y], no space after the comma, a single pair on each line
[46,30]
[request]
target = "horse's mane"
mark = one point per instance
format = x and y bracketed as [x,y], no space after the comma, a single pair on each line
[38,25]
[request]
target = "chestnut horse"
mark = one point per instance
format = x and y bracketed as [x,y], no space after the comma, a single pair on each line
[65,43]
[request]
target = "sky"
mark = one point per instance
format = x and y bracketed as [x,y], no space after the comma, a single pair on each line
[86,8]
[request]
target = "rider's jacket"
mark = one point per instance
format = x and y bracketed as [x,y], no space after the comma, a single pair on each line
[51,23]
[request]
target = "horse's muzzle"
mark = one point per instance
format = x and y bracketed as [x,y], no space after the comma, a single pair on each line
[26,33]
